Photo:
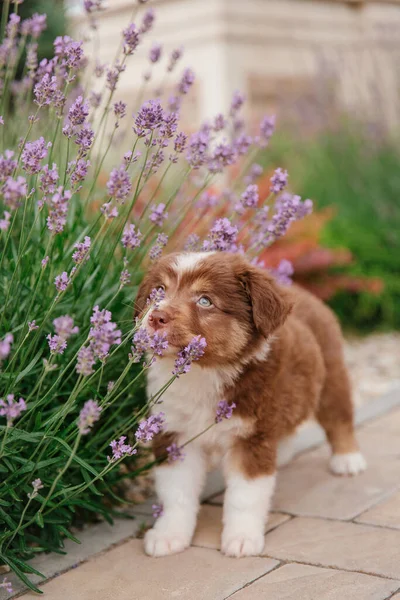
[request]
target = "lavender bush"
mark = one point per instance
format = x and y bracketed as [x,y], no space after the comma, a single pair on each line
[79,224]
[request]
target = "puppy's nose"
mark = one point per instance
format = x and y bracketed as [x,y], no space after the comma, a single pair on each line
[158,319]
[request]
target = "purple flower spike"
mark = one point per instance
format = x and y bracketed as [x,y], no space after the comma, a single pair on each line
[82,251]
[119,109]
[64,327]
[156,250]
[88,416]
[57,344]
[267,128]
[85,361]
[78,112]
[193,351]
[11,409]
[48,179]
[119,184]
[249,198]
[156,296]
[61,282]
[103,333]
[283,272]
[5,345]
[120,449]
[155,52]
[222,156]
[158,510]
[46,90]
[150,427]
[224,410]
[14,190]
[36,485]
[34,26]
[175,56]
[148,20]
[158,214]
[175,452]
[186,81]
[7,585]
[278,181]
[33,153]
[222,237]
[141,344]
[237,102]
[5,222]
[159,343]
[131,39]
[7,165]
[131,237]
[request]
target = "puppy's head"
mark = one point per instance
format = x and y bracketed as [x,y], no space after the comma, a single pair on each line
[217,295]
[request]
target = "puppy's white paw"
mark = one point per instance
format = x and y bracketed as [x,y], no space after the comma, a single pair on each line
[162,543]
[352,463]
[242,545]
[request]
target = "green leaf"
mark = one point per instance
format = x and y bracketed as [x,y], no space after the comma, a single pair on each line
[68,534]
[39,519]
[20,573]
[29,368]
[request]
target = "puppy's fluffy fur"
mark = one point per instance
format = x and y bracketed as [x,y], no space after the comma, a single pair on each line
[277,354]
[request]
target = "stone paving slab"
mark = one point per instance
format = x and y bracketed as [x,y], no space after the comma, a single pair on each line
[302,582]
[386,514]
[348,546]
[126,573]
[209,526]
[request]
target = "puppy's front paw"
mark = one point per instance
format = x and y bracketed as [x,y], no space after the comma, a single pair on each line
[352,463]
[242,545]
[162,543]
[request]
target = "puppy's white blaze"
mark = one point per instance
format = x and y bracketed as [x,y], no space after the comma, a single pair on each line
[246,506]
[190,260]
[351,463]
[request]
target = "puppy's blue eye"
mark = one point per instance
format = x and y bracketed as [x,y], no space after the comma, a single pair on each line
[204,302]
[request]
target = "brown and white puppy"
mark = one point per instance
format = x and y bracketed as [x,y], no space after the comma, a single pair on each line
[277,354]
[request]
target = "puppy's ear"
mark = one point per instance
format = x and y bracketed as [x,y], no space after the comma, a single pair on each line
[270,303]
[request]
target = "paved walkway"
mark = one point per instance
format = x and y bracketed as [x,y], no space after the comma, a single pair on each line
[328,538]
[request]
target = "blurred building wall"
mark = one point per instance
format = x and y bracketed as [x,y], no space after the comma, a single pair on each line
[286,55]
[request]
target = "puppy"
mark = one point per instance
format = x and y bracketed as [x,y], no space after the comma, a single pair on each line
[276,353]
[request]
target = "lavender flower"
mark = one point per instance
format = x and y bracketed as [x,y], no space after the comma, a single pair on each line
[45,91]
[61,282]
[148,20]
[64,327]
[109,211]
[11,409]
[156,250]
[159,343]
[7,165]
[158,510]
[82,251]
[88,416]
[186,81]
[131,39]
[180,142]
[156,296]
[5,345]
[119,109]
[85,138]
[130,237]
[150,427]
[124,278]
[141,344]
[78,112]
[192,243]
[267,128]
[103,333]
[155,52]
[36,485]
[5,222]
[175,452]
[85,361]
[119,184]
[193,351]
[237,102]
[253,174]
[57,344]
[283,272]
[48,179]
[224,410]
[219,123]
[175,56]
[14,190]
[32,154]
[249,198]
[32,326]
[278,181]
[149,118]
[13,26]
[73,54]
[44,261]
[78,169]
[289,208]
[95,99]
[222,156]
[7,585]
[242,143]
[113,76]
[58,208]
[120,449]
[110,386]
[35,25]
[222,237]
[158,214]
[196,154]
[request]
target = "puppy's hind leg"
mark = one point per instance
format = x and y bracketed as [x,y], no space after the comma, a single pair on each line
[335,414]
